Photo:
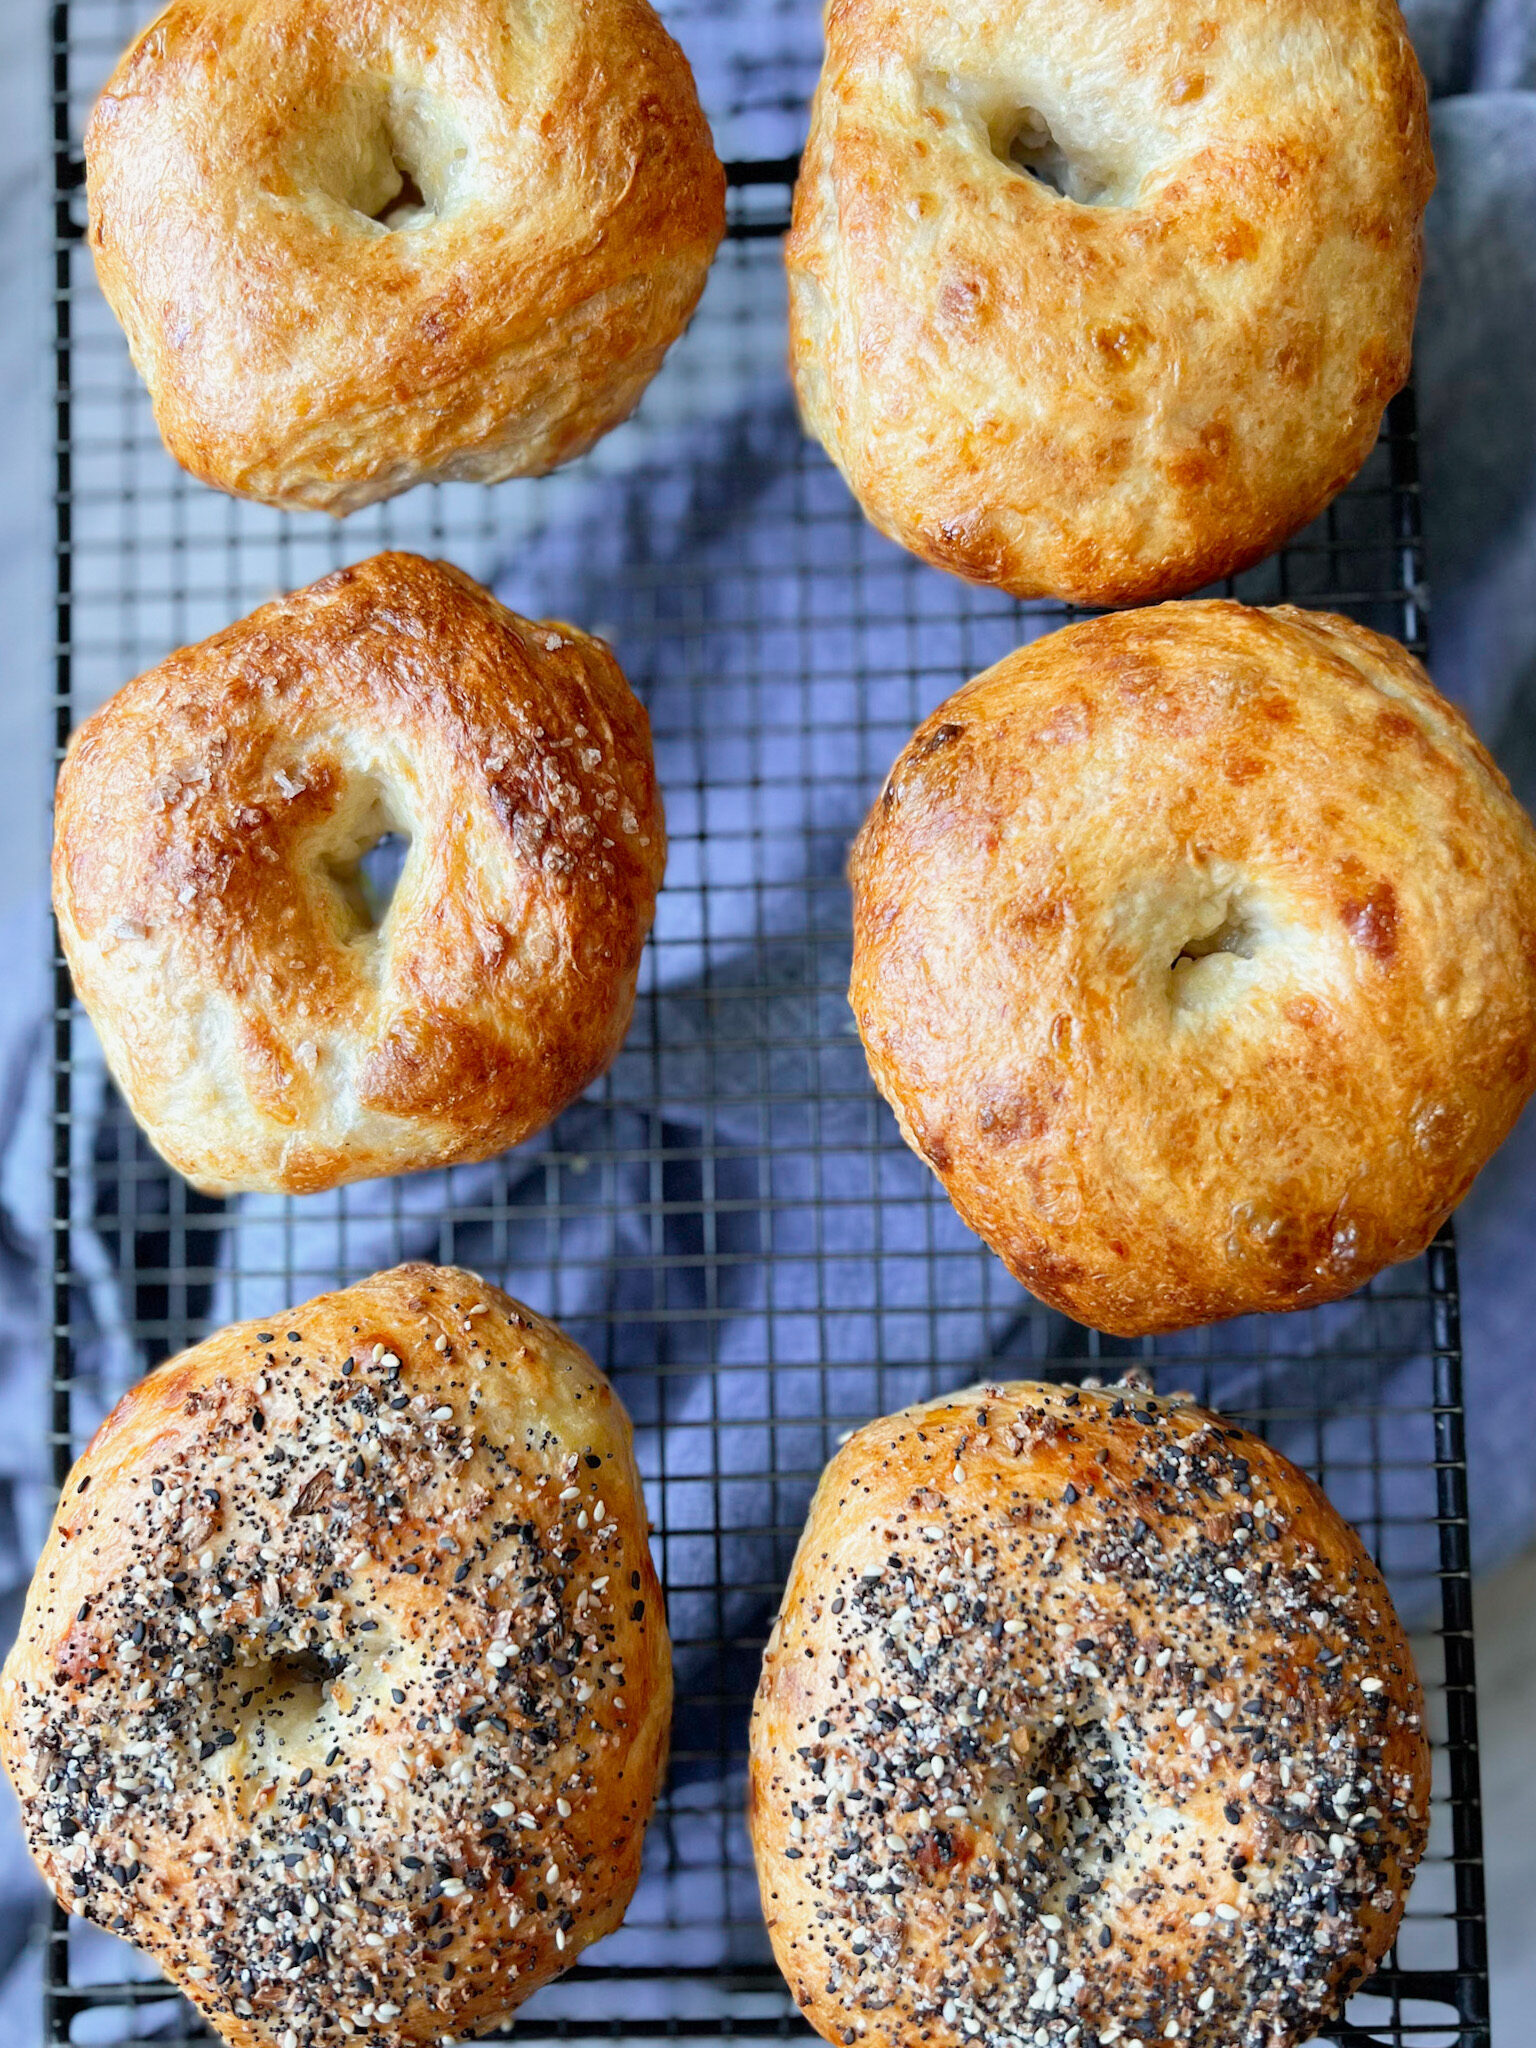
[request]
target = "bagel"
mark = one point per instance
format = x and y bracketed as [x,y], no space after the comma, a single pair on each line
[271,1025]
[357,247]
[1195,949]
[343,1684]
[1102,303]
[1085,1720]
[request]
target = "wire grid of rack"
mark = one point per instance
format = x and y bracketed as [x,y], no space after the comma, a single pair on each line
[729,1221]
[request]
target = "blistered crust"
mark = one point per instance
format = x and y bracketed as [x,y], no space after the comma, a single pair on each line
[302,351]
[343,1684]
[1196,951]
[1085,1718]
[265,1032]
[1119,397]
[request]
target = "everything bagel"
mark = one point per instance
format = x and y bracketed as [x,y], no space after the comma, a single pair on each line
[1085,1720]
[343,1685]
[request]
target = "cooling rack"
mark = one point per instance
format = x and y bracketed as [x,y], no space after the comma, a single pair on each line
[729,1221]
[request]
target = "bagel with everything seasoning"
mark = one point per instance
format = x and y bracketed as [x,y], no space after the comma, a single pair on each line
[1102,303]
[357,245]
[1085,1721]
[343,1684]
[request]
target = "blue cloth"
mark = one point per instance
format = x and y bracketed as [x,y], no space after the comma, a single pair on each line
[807,1270]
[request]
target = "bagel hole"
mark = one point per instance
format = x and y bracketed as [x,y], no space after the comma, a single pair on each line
[409,207]
[1090,1804]
[289,1688]
[379,871]
[1230,929]
[1236,934]
[364,868]
[408,174]
[1023,141]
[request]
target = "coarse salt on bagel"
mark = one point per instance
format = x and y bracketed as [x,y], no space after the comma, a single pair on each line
[1195,949]
[343,1685]
[271,1023]
[1085,1720]
[357,245]
[1102,301]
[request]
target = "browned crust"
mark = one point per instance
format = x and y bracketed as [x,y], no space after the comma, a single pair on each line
[260,1039]
[1149,1148]
[298,354]
[205,1532]
[1109,404]
[1187,1602]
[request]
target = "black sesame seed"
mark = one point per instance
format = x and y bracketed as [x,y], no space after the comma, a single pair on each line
[294,1337]
[265,1336]
[85,1482]
[1234,1815]
[1106,1937]
[305,1775]
[1069,1497]
[637,1612]
[258,1421]
[461,1575]
[397,1695]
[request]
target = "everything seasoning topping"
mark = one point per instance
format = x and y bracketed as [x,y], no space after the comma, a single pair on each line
[323,1734]
[1089,1737]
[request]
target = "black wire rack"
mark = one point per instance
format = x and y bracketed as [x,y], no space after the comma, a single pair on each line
[729,1221]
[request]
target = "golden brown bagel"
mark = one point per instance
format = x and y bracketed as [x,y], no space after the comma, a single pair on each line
[357,245]
[1195,949]
[343,1685]
[1146,378]
[266,1030]
[1085,1719]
